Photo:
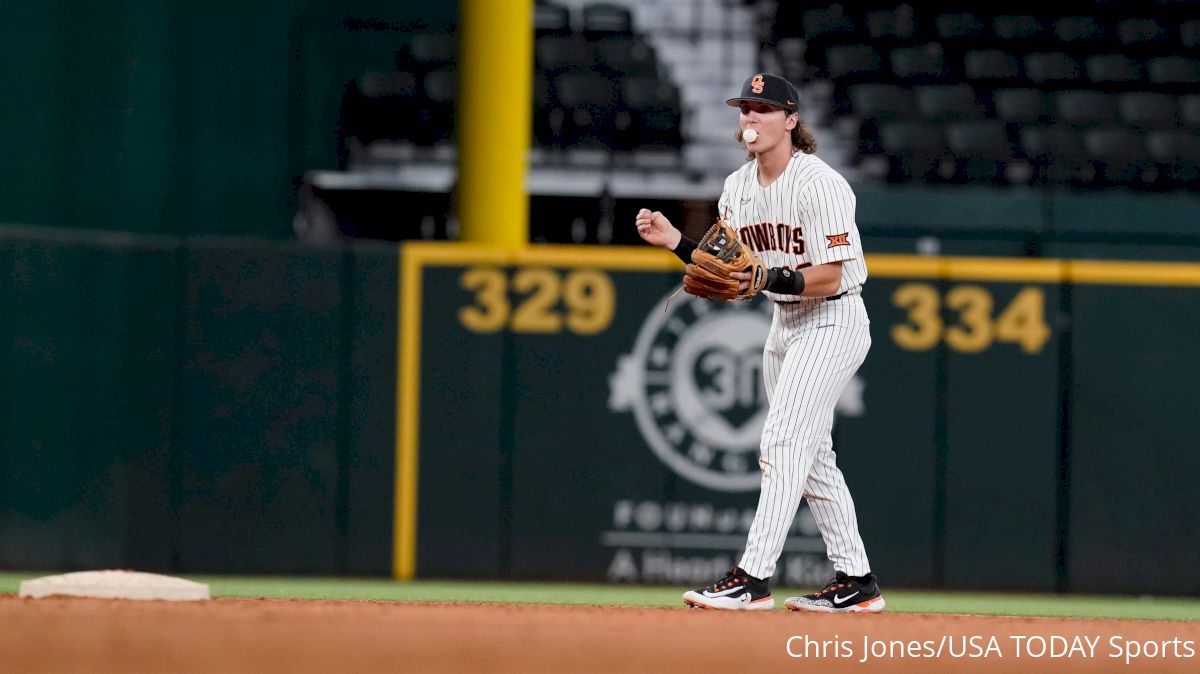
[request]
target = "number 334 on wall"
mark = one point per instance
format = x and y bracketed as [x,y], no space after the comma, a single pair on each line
[1022,322]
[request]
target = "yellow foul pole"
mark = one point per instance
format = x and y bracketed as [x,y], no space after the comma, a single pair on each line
[495,101]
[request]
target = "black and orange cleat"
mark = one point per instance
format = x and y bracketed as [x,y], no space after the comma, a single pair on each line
[737,591]
[843,594]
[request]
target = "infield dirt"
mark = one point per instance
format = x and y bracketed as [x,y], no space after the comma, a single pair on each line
[247,635]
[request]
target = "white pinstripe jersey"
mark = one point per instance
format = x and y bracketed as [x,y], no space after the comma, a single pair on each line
[805,217]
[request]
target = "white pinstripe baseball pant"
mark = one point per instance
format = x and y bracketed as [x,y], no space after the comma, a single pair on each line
[813,350]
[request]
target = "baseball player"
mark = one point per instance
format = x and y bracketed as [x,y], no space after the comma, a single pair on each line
[797,215]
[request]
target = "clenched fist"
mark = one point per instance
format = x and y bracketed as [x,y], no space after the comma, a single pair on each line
[656,229]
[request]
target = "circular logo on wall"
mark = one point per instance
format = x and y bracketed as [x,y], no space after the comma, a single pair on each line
[694,386]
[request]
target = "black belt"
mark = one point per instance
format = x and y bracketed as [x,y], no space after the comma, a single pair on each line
[833,298]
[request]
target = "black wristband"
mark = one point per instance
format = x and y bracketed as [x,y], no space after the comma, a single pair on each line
[785,281]
[683,250]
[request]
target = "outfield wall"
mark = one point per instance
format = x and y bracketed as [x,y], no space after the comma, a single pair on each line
[989,439]
[230,405]
[208,404]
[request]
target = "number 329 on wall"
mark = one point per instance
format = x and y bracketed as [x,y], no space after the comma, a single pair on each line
[548,301]
[1022,322]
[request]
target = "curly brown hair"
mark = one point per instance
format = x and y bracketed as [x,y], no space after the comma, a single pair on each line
[802,139]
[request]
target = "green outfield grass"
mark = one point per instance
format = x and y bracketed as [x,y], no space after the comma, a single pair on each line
[910,601]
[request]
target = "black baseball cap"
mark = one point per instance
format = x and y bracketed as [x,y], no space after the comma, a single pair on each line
[764,88]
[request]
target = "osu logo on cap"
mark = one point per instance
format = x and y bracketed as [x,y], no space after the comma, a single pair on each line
[756,84]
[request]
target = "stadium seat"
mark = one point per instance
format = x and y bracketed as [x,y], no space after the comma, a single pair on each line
[1057,154]
[943,103]
[590,103]
[1018,28]
[825,22]
[1083,32]
[959,26]
[383,84]
[625,56]
[556,54]
[981,150]
[883,102]
[894,25]
[551,19]
[917,65]
[1118,154]
[915,151]
[1051,67]
[1177,154]
[655,109]
[1142,35]
[1020,105]
[1189,35]
[991,66]
[434,50]
[875,104]
[1147,109]
[605,20]
[1173,70]
[824,27]
[1112,69]
[1085,107]
[1189,110]
[853,62]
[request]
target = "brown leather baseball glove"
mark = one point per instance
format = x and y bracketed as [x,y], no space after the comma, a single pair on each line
[717,254]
